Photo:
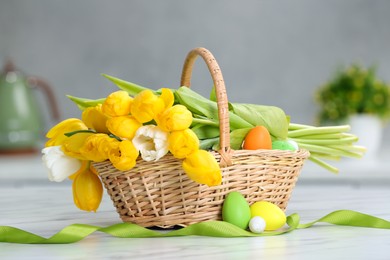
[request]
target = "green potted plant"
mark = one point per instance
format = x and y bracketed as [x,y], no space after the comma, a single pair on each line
[355,96]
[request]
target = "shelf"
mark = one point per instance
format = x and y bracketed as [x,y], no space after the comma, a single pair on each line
[368,169]
[31,168]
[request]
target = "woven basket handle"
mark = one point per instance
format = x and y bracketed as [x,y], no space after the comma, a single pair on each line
[222,101]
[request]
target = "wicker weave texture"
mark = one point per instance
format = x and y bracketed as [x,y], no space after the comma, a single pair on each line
[160,194]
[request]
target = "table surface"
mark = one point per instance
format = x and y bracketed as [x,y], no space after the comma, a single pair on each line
[42,207]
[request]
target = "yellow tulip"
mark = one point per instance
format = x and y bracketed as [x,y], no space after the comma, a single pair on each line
[106,144]
[94,118]
[123,156]
[123,126]
[202,168]
[87,190]
[84,165]
[175,118]
[183,143]
[167,97]
[117,103]
[57,133]
[72,145]
[146,106]
[93,148]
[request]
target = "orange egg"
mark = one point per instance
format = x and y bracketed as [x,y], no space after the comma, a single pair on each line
[257,138]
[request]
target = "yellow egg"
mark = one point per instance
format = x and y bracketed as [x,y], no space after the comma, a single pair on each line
[273,216]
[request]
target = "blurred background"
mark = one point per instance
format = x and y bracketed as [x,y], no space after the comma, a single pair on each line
[270,52]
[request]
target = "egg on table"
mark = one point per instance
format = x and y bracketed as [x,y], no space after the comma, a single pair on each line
[273,216]
[235,210]
[257,224]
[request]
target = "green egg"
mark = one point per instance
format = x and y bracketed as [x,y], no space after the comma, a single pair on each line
[282,145]
[236,210]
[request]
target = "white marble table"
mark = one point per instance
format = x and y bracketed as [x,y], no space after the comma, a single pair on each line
[44,208]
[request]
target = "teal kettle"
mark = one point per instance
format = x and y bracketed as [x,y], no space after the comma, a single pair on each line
[21,112]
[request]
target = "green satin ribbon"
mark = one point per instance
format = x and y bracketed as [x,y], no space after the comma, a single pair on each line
[76,232]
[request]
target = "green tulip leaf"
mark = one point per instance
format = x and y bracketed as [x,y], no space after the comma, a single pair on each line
[84,103]
[271,117]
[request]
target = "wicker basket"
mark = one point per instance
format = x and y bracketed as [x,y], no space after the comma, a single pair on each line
[160,194]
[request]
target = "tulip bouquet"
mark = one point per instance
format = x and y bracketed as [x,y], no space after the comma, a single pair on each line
[137,123]
[121,128]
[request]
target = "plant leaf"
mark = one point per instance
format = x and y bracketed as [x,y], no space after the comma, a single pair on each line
[196,103]
[213,95]
[83,103]
[208,144]
[273,118]
[206,131]
[132,88]
[202,106]
[237,137]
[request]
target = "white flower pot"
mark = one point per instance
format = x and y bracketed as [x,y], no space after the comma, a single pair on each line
[369,129]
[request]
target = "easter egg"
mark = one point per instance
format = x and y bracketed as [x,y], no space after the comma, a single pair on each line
[257,138]
[273,216]
[294,144]
[235,210]
[257,224]
[283,145]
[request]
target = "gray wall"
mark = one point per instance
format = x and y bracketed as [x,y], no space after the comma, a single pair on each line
[275,52]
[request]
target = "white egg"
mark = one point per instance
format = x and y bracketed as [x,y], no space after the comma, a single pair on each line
[294,144]
[257,224]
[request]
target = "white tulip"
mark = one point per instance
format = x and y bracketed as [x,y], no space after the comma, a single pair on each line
[59,165]
[151,142]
